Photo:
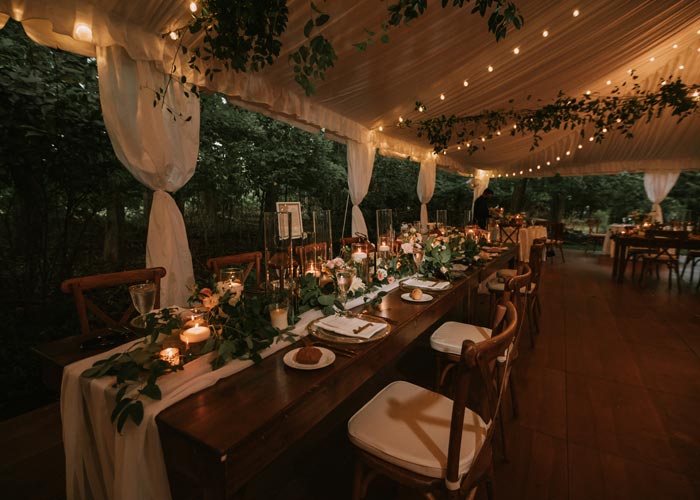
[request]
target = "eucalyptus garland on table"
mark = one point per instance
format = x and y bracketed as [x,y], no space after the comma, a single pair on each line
[242,329]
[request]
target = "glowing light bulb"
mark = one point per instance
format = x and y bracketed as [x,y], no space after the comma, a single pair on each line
[529,170]
[675,45]
[83,32]
[521,172]
[558,158]
[652,59]
[459,147]
[549,163]
[588,92]
[664,82]
[490,68]
[605,130]
[469,144]
[545,33]
[381,129]
[193,6]
[516,50]
[618,120]
[444,151]
[580,146]
[483,139]
[499,175]
[629,71]
[498,132]
[568,153]
[591,139]
[608,82]
[515,126]
[173,35]
[538,167]
[421,108]
[465,83]
[576,13]
[400,119]
[681,67]
[442,97]
[506,175]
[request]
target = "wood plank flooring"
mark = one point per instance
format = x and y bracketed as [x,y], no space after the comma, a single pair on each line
[609,404]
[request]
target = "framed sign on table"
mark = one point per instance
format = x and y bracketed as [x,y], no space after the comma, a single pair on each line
[294,208]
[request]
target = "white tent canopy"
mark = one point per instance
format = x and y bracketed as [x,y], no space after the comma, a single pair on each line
[435,55]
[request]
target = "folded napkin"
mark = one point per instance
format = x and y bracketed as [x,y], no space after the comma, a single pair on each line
[350,326]
[434,285]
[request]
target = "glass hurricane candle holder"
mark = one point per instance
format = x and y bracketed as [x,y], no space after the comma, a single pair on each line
[323,233]
[385,234]
[279,250]
[360,260]
[441,218]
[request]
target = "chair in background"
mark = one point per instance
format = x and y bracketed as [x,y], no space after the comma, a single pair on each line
[555,239]
[664,249]
[692,258]
[508,234]
[93,338]
[246,261]
[426,441]
[83,303]
[594,237]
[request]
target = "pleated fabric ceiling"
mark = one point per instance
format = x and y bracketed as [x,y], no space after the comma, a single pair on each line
[445,53]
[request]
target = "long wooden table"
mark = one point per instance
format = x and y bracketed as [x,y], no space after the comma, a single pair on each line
[217,440]
[623,243]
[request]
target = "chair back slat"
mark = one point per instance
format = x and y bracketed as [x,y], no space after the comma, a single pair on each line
[78,287]
[476,375]
[535,261]
[509,234]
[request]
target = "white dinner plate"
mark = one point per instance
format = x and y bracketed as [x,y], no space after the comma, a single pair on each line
[424,298]
[327,358]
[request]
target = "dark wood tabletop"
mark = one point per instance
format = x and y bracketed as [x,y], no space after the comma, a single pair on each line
[218,439]
[624,242]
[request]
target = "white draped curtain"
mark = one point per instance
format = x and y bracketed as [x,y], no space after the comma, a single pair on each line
[360,165]
[479,184]
[658,185]
[159,148]
[426,185]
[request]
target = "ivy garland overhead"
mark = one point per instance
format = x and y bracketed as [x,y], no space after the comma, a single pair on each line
[244,36]
[594,116]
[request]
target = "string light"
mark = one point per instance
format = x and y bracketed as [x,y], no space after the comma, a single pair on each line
[605,130]
[400,119]
[538,167]
[629,71]
[568,153]
[576,13]
[516,50]
[588,92]
[459,147]
[545,33]
[591,139]
[580,146]
[172,35]
[498,132]
[675,45]
[381,129]
[521,172]
[193,6]
[652,59]
[618,120]
[558,158]
[608,82]
[530,170]
[483,139]
[442,97]
[664,82]
[421,108]
[83,32]
[549,163]
[490,68]
[681,67]
[465,83]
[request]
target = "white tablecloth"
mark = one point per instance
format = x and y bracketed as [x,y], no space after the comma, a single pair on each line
[608,243]
[526,236]
[101,463]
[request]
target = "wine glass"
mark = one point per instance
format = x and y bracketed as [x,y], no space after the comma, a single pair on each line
[418,254]
[143,296]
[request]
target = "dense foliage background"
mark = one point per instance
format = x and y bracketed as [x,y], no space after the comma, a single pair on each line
[68,208]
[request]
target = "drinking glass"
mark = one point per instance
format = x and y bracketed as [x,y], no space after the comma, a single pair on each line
[441,218]
[343,279]
[418,254]
[279,252]
[143,296]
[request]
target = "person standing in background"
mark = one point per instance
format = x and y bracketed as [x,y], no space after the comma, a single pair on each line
[481,209]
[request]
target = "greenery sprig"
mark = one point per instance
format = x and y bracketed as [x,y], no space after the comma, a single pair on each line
[616,111]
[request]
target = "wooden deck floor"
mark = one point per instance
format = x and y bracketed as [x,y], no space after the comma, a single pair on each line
[609,397]
[610,394]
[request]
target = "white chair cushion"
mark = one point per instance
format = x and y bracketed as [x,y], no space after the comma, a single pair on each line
[507,272]
[451,335]
[495,286]
[409,427]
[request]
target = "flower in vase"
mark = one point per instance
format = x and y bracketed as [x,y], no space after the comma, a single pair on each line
[206,292]
[330,265]
[235,297]
[211,301]
[381,274]
[356,285]
[390,279]
[443,270]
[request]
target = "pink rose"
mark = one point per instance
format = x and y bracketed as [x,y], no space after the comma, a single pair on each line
[390,279]
[206,291]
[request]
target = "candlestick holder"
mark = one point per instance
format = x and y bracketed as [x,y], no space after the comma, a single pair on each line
[279,251]
[385,235]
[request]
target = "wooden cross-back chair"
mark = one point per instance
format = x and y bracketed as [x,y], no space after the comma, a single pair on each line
[306,252]
[594,237]
[79,286]
[664,249]
[508,234]
[247,261]
[555,239]
[534,307]
[425,440]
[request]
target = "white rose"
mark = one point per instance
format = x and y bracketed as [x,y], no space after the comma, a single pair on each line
[357,284]
[381,274]
[407,247]
[443,270]
[211,301]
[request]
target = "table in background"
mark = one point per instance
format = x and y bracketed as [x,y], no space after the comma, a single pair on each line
[217,440]
[624,242]
[608,242]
